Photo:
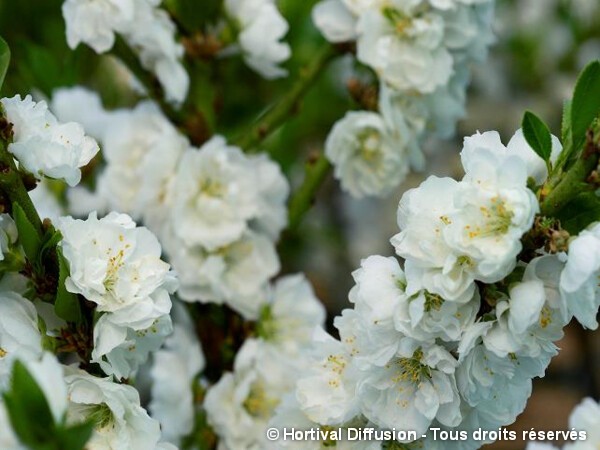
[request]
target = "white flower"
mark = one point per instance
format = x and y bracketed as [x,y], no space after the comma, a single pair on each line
[494,208]
[273,191]
[117,266]
[335,21]
[121,423]
[421,240]
[142,150]
[368,330]
[327,392]
[368,158]
[20,337]
[289,318]
[43,145]
[174,369]
[235,274]
[414,388]
[152,35]
[579,280]
[146,28]
[95,22]
[405,47]
[240,405]
[426,316]
[8,439]
[586,417]
[81,105]
[261,28]
[121,346]
[214,195]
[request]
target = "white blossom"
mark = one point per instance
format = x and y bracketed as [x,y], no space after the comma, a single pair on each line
[174,369]
[414,388]
[586,417]
[404,47]
[261,28]
[20,337]
[579,280]
[335,21]
[368,157]
[81,105]
[44,146]
[121,423]
[235,274]
[240,405]
[117,265]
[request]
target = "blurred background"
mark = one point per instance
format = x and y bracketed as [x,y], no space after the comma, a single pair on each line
[541,46]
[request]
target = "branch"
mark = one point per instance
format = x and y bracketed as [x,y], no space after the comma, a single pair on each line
[317,169]
[13,187]
[571,183]
[278,114]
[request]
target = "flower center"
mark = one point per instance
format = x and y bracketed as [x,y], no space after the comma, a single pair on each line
[412,369]
[258,403]
[433,301]
[211,188]
[115,262]
[101,415]
[370,143]
[497,219]
[3,352]
[399,20]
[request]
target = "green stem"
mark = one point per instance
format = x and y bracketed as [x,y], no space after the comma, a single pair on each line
[315,173]
[279,113]
[570,185]
[14,189]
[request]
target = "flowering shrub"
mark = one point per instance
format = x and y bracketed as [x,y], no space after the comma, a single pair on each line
[143,304]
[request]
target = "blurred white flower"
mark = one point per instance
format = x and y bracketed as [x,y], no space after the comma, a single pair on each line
[81,105]
[261,28]
[368,158]
[42,145]
[174,369]
[20,337]
[586,417]
[335,21]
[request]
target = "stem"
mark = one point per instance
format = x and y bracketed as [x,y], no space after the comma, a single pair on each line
[316,171]
[13,187]
[571,183]
[278,114]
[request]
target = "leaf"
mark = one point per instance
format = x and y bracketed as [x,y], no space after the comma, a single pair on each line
[585,106]
[28,410]
[580,212]
[4,60]
[28,236]
[76,436]
[51,239]
[66,305]
[537,135]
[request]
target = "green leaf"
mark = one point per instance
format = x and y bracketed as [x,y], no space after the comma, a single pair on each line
[51,239]
[585,106]
[28,235]
[4,60]
[28,410]
[76,436]
[537,135]
[580,212]
[67,305]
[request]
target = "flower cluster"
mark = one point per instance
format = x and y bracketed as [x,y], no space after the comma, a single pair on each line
[217,211]
[145,28]
[241,404]
[421,51]
[454,338]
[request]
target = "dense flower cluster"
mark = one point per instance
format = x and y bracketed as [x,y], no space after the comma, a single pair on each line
[454,338]
[421,51]
[217,211]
